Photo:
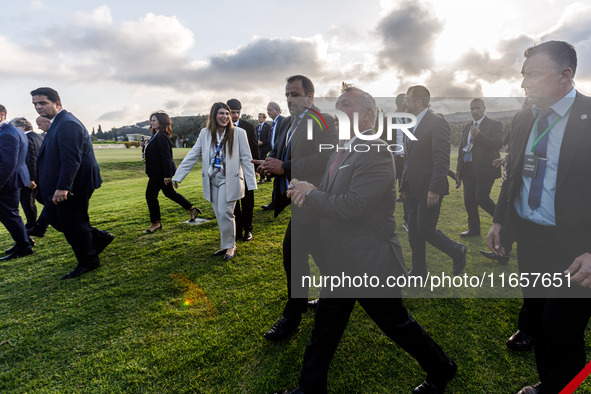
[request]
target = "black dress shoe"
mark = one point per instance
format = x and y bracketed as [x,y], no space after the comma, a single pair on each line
[79,270]
[282,329]
[220,252]
[13,249]
[247,236]
[18,253]
[313,304]
[267,207]
[520,341]
[469,233]
[459,263]
[103,242]
[491,256]
[458,183]
[37,231]
[535,389]
[436,385]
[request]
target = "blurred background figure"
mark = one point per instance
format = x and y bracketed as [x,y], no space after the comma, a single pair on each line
[227,171]
[160,168]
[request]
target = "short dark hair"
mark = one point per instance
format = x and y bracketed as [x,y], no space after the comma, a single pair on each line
[52,94]
[478,100]
[400,98]
[234,104]
[422,93]
[306,83]
[22,122]
[3,109]
[562,53]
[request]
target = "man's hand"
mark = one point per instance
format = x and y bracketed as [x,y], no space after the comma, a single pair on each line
[175,184]
[494,240]
[497,162]
[59,196]
[504,177]
[270,166]
[32,185]
[474,131]
[167,181]
[297,191]
[432,199]
[580,270]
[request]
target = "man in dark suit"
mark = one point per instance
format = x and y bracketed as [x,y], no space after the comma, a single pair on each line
[264,137]
[274,112]
[424,183]
[13,177]
[244,208]
[481,141]
[353,211]
[296,156]
[29,193]
[545,202]
[68,175]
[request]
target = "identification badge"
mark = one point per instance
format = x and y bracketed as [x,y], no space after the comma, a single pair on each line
[217,163]
[530,166]
[468,147]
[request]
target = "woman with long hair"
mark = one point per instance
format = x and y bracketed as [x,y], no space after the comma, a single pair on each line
[226,167]
[159,168]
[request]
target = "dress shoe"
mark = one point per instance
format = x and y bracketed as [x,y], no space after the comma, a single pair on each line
[13,249]
[313,304]
[520,341]
[79,270]
[247,236]
[491,256]
[436,385]
[220,252]
[267,207]
[282,329]
[18,253]
[469,233]
[458,183]
[535,389]
[103,242]
[37,231]
[459,262]
[194,211]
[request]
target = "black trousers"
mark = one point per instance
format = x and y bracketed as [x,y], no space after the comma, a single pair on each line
[556,317]
[152,190]
[295,306]
[422,228]
[243,212]
[10,218]
[476,193]
[27,197]
[71,218]
[391,316]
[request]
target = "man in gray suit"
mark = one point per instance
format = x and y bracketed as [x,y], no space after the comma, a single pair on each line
[352,213]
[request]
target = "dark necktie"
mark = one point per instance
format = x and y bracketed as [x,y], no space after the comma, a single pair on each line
[537,183]
[468,155]
[335,164]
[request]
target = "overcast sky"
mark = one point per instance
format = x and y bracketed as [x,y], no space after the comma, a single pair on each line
[113,62]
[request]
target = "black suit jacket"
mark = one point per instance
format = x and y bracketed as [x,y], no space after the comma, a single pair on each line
[158,155]
[13,153]
[573,182]
[427,159]
[304,159]
[35,141]
[485,148]
[355,217]
[66,159]
[265,137]
[251,134]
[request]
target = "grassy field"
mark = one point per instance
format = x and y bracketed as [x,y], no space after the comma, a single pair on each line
[162,315]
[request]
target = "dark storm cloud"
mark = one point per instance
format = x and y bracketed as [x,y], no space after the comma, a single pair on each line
[408,36]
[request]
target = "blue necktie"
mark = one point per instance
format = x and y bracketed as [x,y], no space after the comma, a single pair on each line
[537,183]
[468,155]
[273,133]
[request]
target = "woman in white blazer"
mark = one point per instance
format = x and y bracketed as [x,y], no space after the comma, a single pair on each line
[226,166]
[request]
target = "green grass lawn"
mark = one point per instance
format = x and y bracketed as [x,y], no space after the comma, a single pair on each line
[162,315]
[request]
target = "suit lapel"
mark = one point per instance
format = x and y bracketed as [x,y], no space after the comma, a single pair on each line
[578,123]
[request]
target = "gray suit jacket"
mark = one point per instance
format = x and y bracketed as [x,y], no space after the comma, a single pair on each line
[355,218]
